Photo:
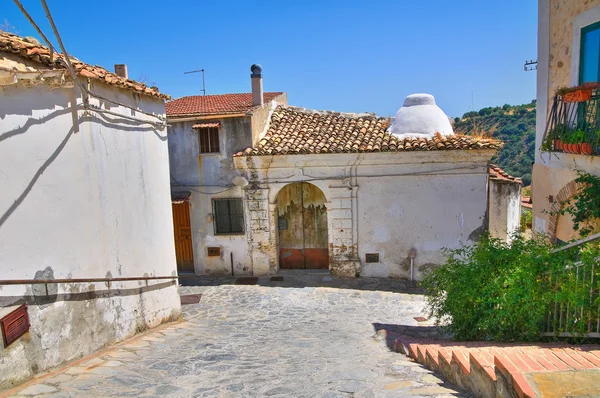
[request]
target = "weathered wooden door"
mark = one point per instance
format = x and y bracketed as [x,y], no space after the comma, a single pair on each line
[183,236]
[302,219]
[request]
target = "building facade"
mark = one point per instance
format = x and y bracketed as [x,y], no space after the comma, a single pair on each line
[85,194]
[341,192]
[568,55]
[204,134]
[504,204]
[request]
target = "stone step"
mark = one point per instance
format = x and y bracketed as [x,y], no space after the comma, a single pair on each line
[490,369]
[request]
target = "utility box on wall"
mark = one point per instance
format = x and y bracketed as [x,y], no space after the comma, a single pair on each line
[14,325]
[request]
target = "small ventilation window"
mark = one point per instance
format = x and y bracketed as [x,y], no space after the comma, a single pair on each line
[372,257]
[214,251]
[14,325]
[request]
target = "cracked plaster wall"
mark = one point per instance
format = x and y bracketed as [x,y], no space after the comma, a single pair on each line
[384,203]
[90,201]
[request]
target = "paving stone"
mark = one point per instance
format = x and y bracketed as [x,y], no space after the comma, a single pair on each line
[92,362]
[111,364]
[122,354]
[272,341]
[432,390]
[431,379]
[399,384]
[37,389]
[61,378]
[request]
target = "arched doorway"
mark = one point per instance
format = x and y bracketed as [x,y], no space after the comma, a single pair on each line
[302,226]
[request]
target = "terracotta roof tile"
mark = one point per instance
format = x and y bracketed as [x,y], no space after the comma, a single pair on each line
[34,51]
[496,173]
[298,131]
[221,104]
[205,125]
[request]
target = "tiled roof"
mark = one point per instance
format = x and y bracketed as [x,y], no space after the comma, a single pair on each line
[496,173]
[205,125]
[221,104]
[32,50]
[300,131]
[526,202]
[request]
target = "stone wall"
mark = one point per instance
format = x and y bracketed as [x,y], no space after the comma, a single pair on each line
[562,14]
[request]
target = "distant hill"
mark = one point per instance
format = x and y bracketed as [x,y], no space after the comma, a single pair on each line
[515,125]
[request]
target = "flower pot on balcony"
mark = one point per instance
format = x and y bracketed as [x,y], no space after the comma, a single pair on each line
[581,95]
[570,148]
[586,148]
[577,148]
[558,145]
[566,147]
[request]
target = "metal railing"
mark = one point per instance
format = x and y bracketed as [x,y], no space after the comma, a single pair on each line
[574,127]
[576,307]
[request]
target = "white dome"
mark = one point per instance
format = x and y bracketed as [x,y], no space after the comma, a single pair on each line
[420,117]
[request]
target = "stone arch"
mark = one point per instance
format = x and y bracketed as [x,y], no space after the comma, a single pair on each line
[302,226]
[563,196]
[275,189]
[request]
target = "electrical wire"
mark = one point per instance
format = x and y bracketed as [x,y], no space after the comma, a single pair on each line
[65,53]
[86,93]
[50,46]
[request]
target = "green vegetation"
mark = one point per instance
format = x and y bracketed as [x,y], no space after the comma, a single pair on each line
[497,291]
[515,125]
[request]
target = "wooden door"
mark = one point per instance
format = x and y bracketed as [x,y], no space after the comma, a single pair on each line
[302,219]
[183,237]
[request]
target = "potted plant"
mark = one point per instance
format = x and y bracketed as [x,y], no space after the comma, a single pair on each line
[576,138]
[586,146]
[579,93]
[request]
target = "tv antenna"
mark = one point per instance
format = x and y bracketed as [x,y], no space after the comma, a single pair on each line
[530,65]
[196,71]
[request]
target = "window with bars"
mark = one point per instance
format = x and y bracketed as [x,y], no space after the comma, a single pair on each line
[228,216]
[209,139]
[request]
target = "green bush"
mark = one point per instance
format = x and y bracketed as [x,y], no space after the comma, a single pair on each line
[493,290]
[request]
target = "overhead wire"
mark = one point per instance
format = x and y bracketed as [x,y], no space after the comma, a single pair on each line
[86,93]
[37,28]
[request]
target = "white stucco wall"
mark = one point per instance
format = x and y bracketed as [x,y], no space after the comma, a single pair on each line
[504,209]
[83,196]
[384,203]
[209,176]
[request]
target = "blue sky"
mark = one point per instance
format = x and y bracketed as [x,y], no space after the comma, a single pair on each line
[351,56]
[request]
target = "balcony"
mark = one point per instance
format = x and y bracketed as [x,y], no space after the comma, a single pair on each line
[574,123]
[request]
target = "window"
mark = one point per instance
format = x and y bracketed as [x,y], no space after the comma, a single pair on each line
[209,139]
[228,216]
[589,64]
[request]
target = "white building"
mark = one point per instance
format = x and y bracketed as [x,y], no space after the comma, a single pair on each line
[312,189]
[85,194]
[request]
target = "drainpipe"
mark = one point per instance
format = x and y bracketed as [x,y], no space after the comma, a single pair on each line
[412,254]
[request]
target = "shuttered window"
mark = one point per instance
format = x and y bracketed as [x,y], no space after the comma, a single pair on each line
[209,139]
[589,63]
[228,216]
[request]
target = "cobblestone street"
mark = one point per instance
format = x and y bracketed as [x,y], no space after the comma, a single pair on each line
[260,341]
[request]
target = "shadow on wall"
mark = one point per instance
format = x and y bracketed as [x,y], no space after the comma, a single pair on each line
[109,122]
[40,295]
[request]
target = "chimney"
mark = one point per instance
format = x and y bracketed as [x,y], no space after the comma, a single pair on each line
[257,88]
[121,70]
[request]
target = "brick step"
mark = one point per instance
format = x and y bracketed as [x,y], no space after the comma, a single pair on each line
[490,369]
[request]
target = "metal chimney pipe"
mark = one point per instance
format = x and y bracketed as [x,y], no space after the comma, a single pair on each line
[257,85]
[121,70]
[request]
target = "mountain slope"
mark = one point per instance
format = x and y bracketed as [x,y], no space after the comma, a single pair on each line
[515,125]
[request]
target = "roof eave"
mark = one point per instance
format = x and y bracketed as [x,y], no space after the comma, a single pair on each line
[192,117]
